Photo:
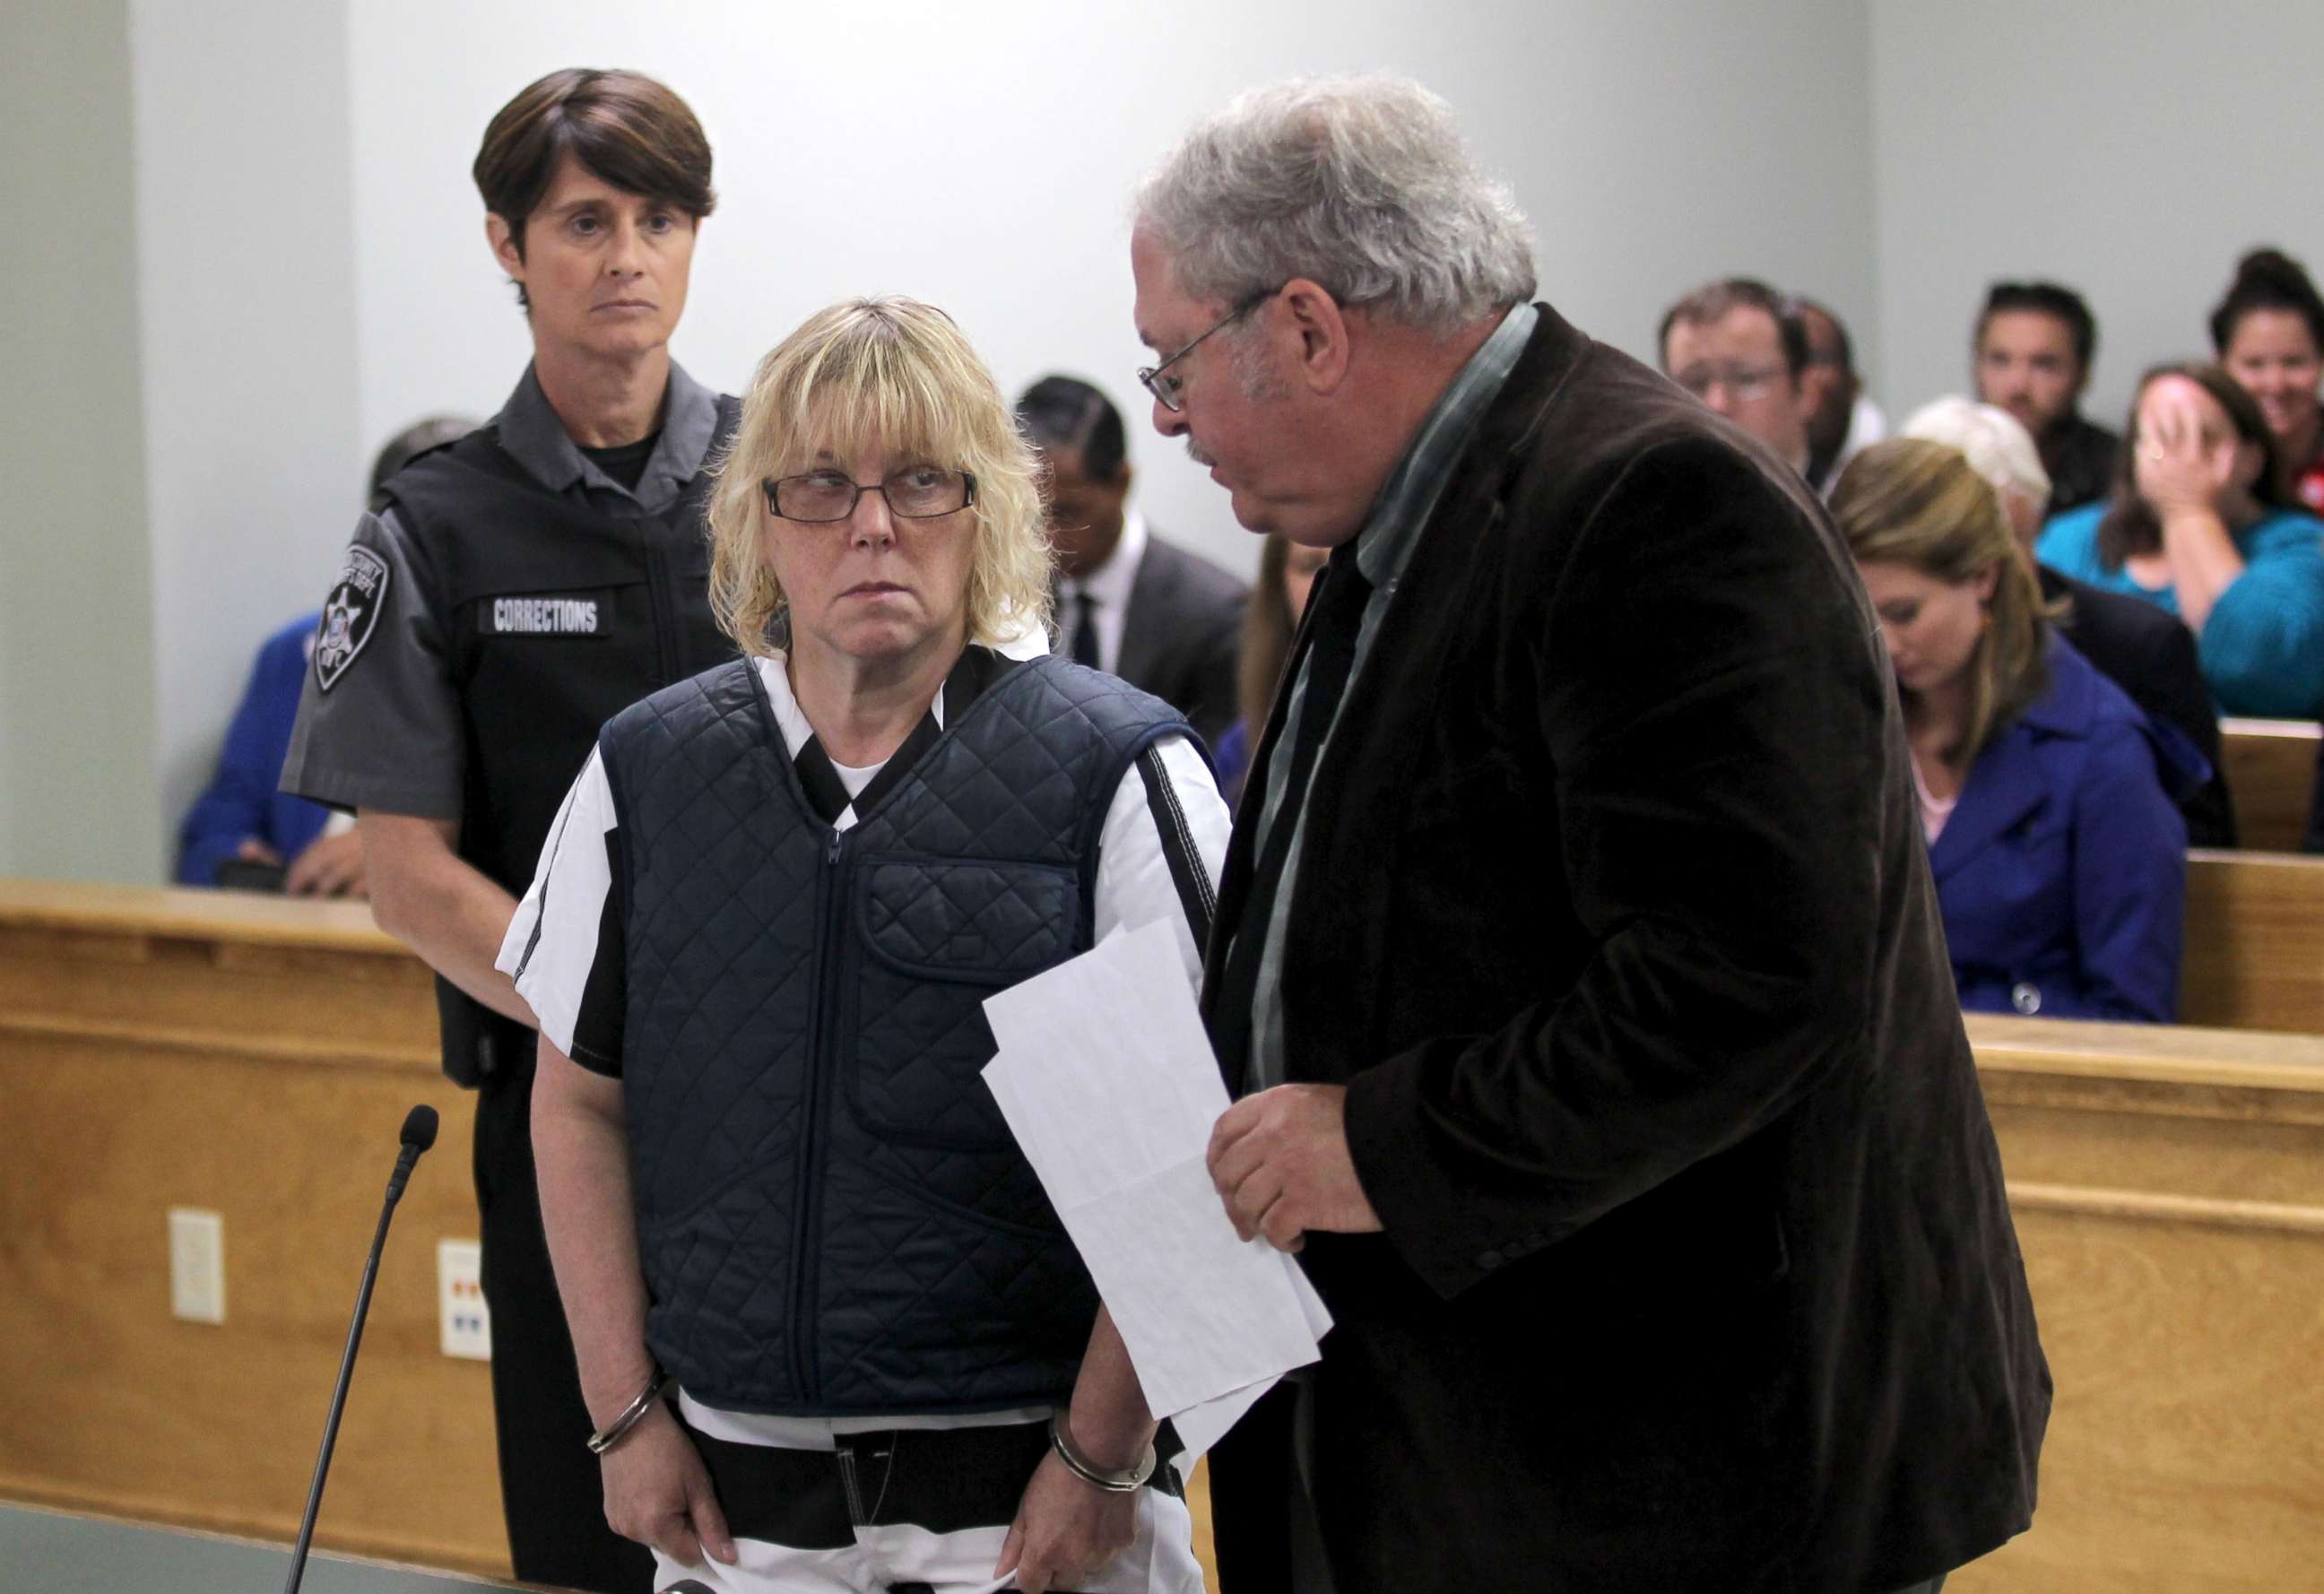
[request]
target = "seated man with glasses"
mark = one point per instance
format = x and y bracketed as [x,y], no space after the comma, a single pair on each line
[1741,347]
[775,1185]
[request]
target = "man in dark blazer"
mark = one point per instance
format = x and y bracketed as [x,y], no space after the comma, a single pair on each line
[1576,960]
[1166,620]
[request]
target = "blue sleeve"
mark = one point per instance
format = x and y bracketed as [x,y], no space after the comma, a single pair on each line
[2263,644]
[239,803]
[2068,543]
[2130,885]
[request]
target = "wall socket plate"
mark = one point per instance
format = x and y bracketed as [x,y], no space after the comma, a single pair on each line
[197,1265]
[465,1321]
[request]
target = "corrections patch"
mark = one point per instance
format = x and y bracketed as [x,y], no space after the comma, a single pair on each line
[350,614]
[543,617]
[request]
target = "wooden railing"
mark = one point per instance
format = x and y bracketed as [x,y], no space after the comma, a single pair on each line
[254,1057]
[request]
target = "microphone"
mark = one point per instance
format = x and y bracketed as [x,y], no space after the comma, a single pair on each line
[419,1135]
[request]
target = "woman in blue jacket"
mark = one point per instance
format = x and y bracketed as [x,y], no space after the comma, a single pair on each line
[2060,857]
[2198,524]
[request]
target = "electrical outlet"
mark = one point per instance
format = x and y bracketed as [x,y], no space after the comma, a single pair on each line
[466,1322]
[197,1266]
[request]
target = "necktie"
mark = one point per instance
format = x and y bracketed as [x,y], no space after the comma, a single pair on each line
[1337,612]
[1085,629]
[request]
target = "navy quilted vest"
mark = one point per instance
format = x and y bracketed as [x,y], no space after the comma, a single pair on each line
[832,1215]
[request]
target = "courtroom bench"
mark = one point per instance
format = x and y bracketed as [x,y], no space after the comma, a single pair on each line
[2168,1189]
[2253,947]
[2271,770]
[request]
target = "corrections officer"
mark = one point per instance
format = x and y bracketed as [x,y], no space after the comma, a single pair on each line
[514,591]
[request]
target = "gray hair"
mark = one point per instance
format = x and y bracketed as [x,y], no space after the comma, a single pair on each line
[1360,184]
[1997,446]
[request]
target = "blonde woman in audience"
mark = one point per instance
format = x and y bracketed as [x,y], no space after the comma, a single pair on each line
[1287,571]
[2059,860]
[2197,524]
[2146,652]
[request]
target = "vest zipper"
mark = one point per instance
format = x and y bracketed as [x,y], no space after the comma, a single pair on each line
[661,598]
[809,1203]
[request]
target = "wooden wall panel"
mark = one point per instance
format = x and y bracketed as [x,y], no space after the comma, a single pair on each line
[170,1048]
[2168,1188]
[125,1092]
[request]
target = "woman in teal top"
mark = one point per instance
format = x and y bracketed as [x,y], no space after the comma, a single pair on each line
[2197,524]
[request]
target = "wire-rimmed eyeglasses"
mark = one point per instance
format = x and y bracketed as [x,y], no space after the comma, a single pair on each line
[1166,388]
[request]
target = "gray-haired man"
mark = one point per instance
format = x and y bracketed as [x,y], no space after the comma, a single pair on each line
[1576,957]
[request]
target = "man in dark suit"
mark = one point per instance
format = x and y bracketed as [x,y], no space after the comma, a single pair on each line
[1576,962]
[2147,652]
[1166,620]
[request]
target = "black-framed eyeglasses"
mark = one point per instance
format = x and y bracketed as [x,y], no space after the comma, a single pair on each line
[920,492]
[1166,388]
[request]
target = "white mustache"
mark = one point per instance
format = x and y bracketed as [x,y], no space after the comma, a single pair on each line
[1197,456]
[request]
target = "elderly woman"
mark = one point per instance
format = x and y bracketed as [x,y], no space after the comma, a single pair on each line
[2197,525]
[2059,859]
[758,944]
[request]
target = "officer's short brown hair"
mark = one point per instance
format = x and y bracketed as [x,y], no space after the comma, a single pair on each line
[625,127]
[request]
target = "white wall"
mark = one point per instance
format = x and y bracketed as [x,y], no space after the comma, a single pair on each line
[305,273]
[254,467]
[2132,151]
[76,789]
[984,155]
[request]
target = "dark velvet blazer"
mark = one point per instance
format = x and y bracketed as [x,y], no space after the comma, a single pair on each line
[1615,919]
[1182,634]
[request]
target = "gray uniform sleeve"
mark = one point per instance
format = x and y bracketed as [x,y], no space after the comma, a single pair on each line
[379,718]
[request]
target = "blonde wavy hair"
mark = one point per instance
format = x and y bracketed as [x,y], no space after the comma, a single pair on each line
[898,372]
[1922,505]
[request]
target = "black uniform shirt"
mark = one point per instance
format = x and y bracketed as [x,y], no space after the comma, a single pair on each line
[380,723]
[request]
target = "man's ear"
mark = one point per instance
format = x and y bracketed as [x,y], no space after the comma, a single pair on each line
[505,247]
[1321,328]
[1122,477]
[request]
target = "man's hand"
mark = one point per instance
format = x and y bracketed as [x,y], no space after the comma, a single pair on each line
[658,1492]
[1280,1161]
[254,851]
[331,866]
[1065,1529]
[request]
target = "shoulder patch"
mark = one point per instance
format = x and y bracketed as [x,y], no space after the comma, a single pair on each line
[350,614]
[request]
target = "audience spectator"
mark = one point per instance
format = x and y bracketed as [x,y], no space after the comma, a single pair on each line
[1129,603]
[241,817]
[2269,333]
[1287,571]
[1740,348]
[2033,347]
[2197,524]
[2135,645]
[1842,419]
[2060,861]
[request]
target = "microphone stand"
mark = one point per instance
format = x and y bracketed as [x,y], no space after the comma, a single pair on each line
[403,1162]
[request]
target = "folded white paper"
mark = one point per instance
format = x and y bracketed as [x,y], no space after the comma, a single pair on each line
[1107,1080]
